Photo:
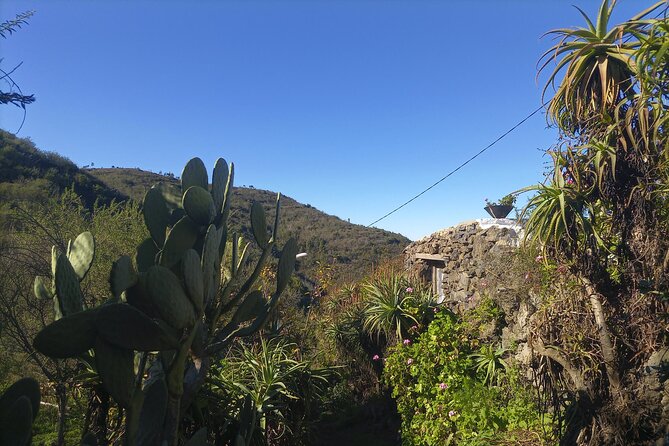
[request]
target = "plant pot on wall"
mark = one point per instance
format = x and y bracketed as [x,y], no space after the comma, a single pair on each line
[498,211]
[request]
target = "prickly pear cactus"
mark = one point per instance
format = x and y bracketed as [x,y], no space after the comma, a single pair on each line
[19,405]
[178,302]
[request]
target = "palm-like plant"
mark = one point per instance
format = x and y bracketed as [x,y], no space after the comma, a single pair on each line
[489,360]
[600,65]
[388,306]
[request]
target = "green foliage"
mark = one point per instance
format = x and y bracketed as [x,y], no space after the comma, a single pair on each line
[442,397]
[285,390]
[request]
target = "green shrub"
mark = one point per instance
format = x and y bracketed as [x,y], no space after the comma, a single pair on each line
[443,400]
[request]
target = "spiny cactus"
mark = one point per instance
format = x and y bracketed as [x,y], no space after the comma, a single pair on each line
[177,303]
[19,405]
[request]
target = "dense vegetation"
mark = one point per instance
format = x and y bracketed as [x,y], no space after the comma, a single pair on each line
[144,317]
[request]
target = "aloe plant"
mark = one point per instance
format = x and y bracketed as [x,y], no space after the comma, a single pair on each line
[177,303]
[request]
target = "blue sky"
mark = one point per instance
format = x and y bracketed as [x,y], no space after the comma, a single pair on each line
[350,106]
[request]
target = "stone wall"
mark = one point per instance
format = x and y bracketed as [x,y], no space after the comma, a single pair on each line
[478,262]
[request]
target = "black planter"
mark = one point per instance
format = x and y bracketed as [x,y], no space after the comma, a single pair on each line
[498,211]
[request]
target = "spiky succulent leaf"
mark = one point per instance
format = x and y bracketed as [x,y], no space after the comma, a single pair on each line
[23,387]
[122,276]
[193,279]
[42,287]
[199,205]
[115,366]
[219,180]
[169,298]
[286,265]
[145,256]
[259,224]
[194,174]
[181,238]
[152,414]
[156,214]
[126,327]
[68,290]
[250,307]
[67,337]
[16,427]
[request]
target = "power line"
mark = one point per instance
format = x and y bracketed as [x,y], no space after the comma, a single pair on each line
[463,164]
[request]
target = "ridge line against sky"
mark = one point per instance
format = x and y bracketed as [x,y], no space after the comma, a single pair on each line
[352,107]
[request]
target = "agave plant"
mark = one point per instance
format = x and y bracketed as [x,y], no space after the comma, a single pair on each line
[388,306]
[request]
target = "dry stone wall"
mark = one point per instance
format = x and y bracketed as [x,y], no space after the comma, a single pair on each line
[478,262]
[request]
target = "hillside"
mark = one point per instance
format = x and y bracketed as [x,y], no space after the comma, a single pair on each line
[29,174]
[354,248]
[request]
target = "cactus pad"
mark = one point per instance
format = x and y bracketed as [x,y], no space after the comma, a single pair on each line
[181,238]
[67,287]
[259,224]
[42,287]
[199,205]
[169,298]
[80,253]
[67,337]
[194,174]
[193,280]
[122,276]
[156,214]
[116,368]
[126,327]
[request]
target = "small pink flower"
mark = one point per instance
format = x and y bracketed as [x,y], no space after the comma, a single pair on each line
[409,361]
[452,413]
[409,290]
[538,259]
[375,358]
[406,342]
[443,386]
[414,328]
[435,309]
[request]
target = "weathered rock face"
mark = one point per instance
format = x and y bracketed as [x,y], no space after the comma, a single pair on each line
[476,259]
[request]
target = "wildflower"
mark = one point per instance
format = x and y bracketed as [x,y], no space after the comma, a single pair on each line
[484,284]
[406,342]
[538,259]
[443,386]
[409,361]
[409,290]
[414,328]
[452,413]
[375,358]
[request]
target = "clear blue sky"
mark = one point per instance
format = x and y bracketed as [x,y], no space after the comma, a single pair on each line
[350,106]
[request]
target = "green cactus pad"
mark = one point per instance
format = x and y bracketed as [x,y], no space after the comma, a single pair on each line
[116,368]
[277,213]
[199,205]
[122,276]
[211,263]
[181,238]
[23,387]
[199,439]
[219,181]
[171,194]
[54,260]
[152,414]
[16,426]
[169,298]
[156,215]
[138,297]
[67,337]
[80,253]
[194,174]
[67,287]
[192,274]
[286,265]
[222,218]
[145,256]
[42,287]
[259,224]
[126,327]
[250,307]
